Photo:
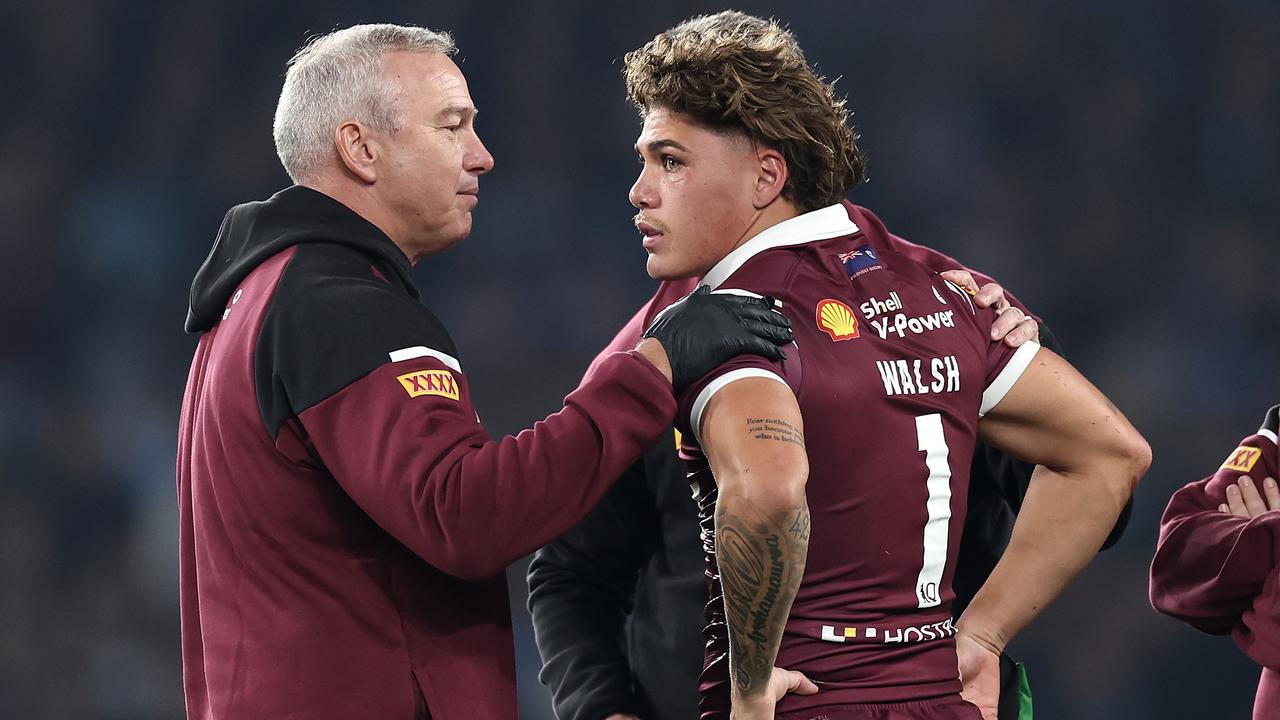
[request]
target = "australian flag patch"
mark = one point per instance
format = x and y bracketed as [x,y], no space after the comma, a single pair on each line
[860,260]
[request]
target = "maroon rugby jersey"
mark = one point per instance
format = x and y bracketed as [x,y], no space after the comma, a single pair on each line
[1217,572]
[892,368]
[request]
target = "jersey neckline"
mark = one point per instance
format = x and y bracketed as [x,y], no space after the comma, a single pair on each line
[822,224]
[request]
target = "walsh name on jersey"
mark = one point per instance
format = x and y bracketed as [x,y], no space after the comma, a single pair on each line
[906,377]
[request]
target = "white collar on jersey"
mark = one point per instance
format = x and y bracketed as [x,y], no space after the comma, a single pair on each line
[824,224]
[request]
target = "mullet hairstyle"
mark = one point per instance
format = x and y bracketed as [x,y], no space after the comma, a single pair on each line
[737,73]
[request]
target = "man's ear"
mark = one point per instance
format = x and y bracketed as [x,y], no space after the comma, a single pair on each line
[358,149]
[771,177]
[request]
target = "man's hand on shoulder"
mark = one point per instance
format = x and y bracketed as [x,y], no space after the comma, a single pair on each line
[1012,325]
[704,330]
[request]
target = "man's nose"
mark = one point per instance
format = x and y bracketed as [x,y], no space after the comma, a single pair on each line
[478,160]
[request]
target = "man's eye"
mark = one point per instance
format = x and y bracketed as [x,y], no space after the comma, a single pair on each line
[671,164]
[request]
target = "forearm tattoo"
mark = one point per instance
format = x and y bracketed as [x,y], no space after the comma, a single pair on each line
[761,562]
[800,527]
[774,429]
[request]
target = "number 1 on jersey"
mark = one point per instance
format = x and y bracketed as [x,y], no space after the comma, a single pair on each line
[934,445]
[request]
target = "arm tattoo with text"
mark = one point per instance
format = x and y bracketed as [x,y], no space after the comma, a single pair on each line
[774,429]
[761,562]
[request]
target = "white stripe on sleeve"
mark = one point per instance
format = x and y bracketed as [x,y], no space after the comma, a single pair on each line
[999,387]
[715,386]
[418,351]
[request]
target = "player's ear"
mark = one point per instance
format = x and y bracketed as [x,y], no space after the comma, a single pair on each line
[771,176]
[357,149]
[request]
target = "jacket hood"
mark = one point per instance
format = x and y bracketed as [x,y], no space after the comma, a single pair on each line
[255,231]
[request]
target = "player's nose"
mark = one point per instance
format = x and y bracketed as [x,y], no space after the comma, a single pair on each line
[642,195]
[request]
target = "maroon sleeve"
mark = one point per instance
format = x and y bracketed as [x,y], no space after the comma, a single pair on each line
[1214,570]
[930,258]
[1209,565]
[693,400]
[1258,633]
[1005,366]
[404,442]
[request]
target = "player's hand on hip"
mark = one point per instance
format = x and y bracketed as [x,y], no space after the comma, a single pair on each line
[703,330]
[979,674]
[781,682]
[1244,500]
[1012,325]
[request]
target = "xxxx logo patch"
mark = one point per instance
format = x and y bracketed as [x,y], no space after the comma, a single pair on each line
[1243,459]
[430,382]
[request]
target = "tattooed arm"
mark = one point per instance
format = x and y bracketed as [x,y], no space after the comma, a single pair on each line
[753,436]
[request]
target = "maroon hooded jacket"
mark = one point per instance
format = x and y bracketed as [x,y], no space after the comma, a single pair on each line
[1220,573]
[345,519]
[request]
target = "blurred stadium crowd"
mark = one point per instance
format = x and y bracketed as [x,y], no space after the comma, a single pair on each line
[1116,165]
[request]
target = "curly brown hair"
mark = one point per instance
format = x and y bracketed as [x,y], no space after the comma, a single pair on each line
[737,73]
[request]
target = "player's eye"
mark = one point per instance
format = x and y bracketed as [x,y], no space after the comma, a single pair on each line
[671,164]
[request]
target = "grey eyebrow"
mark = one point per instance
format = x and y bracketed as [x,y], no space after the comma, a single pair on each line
[463,111]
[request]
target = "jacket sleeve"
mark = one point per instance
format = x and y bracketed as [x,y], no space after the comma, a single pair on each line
[581,589]
[1216,571]
[1258,633]
[1210,566]
[386,409]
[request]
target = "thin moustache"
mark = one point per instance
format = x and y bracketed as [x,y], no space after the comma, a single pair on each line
[641,220]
